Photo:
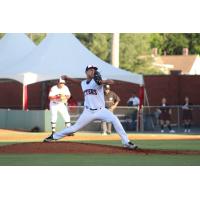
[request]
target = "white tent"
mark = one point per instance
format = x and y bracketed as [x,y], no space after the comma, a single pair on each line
[60,54]
[13,47]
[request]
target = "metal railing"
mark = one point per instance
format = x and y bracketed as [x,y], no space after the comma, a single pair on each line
[149,118]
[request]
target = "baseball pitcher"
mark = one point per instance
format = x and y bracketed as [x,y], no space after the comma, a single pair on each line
[94,108]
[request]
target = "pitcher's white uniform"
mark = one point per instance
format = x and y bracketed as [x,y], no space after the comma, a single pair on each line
[57,105]
[94,109]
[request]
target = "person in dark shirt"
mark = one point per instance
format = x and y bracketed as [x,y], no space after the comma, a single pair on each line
[187,115]
[165,115]
[111,102]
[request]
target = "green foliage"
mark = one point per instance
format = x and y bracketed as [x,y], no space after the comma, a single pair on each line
[135,50]
[132,47]
[135,53]
[173,43]
[157,41]
[36,37]
[194,42]
[1,35]
[98,43]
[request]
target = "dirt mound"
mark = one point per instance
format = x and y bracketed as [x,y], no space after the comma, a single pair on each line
[77,148]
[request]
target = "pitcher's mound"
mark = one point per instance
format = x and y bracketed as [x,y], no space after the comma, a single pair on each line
[78,148]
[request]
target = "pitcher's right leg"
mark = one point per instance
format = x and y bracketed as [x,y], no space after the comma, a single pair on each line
[105,114]
[85,118]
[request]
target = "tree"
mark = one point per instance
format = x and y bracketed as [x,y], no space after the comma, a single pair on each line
[135,53]
[36,37]
[98,43]
[171,43]
[1,35]
[135,50]
[194,42]
[174,43]
[157,41]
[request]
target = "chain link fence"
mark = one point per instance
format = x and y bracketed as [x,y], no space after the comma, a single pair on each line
[149,118]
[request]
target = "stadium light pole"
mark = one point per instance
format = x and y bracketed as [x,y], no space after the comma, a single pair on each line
[115,49]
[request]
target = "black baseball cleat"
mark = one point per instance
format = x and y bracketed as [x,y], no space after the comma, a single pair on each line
[49,139]
[130,145]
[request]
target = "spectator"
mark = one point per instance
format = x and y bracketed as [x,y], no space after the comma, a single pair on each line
[111,102]
[134,100]
[187,115]
[165,115]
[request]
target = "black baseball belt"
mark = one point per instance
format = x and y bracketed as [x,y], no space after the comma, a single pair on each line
[92,108]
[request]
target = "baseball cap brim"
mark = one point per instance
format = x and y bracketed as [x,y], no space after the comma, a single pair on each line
[91,67]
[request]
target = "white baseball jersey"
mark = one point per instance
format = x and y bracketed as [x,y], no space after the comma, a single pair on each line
[55,90]
[135,101]
[94,99]
[93,94]
[56,105]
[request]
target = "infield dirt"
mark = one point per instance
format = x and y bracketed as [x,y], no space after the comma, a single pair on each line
[85,148]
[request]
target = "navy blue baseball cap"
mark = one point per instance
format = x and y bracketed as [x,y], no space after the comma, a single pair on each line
[90,67]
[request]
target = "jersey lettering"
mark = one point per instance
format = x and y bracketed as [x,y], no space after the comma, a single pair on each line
[90,92]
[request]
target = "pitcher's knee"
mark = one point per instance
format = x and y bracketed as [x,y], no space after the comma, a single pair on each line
[114,119]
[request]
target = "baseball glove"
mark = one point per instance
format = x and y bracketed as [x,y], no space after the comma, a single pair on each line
[97,78]
[63,98]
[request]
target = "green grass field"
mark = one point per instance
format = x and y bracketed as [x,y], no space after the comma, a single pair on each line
[111,160]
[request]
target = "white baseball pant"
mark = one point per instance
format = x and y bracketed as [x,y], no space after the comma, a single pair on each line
[59,107]
[88,116]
